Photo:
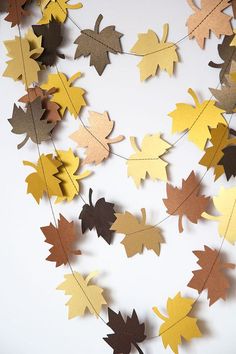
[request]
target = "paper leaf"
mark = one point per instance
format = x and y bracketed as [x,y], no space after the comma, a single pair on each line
[148,160]
[98,44]
[70,184]
[138,233]
[156,53]
[46,169]
[57,9]
[67,97]
[226,98]
[208,18]
[196,120]
[211,276]
[83,295]
[16,11]
[213,154]
[51,113]
[225,205]
[126,333]
[178,324]
[31,123]
[18,68]
[62,239]
[35,43]
[51,40]
[95,137]
[99,216]
[228,161]
[186,200]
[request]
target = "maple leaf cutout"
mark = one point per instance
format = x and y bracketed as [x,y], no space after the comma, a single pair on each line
[83,295]
[67,97]
[225,205]
[62,239]
[186,201]
[156,54]
[46,169]
[51,113]
[57,9]
[178,324]
[138,233]
[196,120]
[31,123]
[70,185]
[126,333]
[228,161]
[208,18]
[22,66]
[212,275]
[95,138]
[226,98]
[101,216]
[98,44]
[16,11]
[148,160]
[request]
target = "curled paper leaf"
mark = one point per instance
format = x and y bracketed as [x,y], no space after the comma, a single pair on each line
[156,53]
[57,9]
[35,43]
[178,323]
[83,295]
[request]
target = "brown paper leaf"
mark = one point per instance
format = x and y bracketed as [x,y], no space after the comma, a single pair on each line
[208,18]
[16,10]
[226,98]
[186,200]
[62,239]
[98,44]
[95,138]
[212,275]
[228,161]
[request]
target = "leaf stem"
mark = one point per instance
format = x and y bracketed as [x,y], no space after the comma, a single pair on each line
[165,33]
[19,146]
[116,139]
[90,196]
[143,211]
[194,96]
[180,224]
[97,23]
[138,348]
[134,143]
[193,6]
[159,314]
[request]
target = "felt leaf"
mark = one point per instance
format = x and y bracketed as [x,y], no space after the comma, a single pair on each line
[51,113]
[138,233]
[186,200]
[211,276]
[126,333]
[208,18]
[178,324]
[22,66]
[67,97]
[196,120]
[226,98]
[225,205]
[148,160]
[51,40]
[83,295]
[219,139]
[62,239]
[31,123]
[98,44]
[57,9]
[95,138]
[35,43]
[99,216]
[16,11]
[228,161]
[156,53]
[70,184]
[44,180]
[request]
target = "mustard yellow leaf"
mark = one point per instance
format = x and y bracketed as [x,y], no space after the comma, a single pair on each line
[83,295]
[148,160]
[156,54]
[225,204]
[196,120]
[35,43]
[56,9]
[178,324]
[67,97]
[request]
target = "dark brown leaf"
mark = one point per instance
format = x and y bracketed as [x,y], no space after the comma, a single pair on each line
[229,161]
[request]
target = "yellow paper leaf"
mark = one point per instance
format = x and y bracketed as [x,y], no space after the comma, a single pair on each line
[67,97]
[196,120]
[83,295]
[70,185]
[35,43]
[148,160]
[178,324]
[46,168]
[225,203]
[56,9]
[22,66]
[138,233]
[156,54]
